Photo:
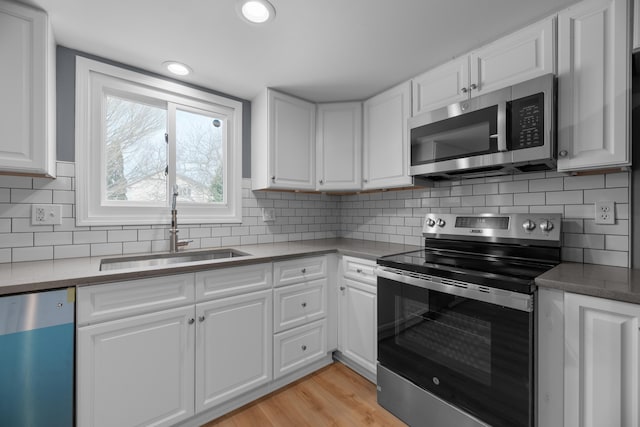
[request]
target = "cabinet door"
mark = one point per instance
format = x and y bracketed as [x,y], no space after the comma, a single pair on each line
[292,125]
[593,85]
[444,85]
[339,146]
[386,138]
[518,57]
[636,24]
[136,371]
[358,323]
[233,347]
[27,104]
[601,362]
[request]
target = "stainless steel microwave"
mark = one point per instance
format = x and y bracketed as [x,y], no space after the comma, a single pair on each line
[508,131]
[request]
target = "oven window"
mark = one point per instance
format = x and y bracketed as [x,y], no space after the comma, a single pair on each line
[462,136]
[475,355]
[442,330]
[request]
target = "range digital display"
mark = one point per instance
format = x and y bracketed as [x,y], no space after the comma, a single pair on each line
[484,222]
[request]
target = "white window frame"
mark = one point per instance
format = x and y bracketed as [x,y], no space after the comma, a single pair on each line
[93,80]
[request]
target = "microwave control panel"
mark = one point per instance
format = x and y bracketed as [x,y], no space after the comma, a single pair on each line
[526,126]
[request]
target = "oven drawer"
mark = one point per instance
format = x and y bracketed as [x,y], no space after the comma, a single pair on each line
[299,347]
[299,270]
[296,305]
[359,269]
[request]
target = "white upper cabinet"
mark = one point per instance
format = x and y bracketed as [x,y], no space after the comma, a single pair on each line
[593,85]
[386,139]
[27,104]
[521,56]
[339,146]
[443,85]
[282,142]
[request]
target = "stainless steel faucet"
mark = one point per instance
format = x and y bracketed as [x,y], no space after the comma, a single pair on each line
[174,243]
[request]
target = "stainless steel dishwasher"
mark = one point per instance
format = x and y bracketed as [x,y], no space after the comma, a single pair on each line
[37,359]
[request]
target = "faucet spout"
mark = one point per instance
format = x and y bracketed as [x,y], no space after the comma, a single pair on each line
[174,243]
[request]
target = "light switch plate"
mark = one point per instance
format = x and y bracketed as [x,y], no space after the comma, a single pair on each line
[605,212]
[46,214]
[268,214]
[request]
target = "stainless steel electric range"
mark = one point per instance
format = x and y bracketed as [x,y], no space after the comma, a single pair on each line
[456,320]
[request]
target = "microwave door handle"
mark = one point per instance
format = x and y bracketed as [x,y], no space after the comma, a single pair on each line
[502,127]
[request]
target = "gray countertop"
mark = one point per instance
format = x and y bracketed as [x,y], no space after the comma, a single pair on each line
[616,283]
[44,275]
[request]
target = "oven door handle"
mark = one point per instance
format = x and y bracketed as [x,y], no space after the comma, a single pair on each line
[515,300]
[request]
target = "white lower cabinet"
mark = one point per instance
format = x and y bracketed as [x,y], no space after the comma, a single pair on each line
[601,362]
[137,371]
[357,333]
[298,347]
[233,347]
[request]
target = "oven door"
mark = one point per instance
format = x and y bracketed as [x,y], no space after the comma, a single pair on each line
[472,353]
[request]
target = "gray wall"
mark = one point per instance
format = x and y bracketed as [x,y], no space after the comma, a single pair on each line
[66,105]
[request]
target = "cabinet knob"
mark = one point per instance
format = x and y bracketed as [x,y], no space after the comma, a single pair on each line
[273,178]
[473,86]
[464,90]
[192,321]
[304,270]
[366,180]
[563,153]
[342,288]
[321,181]
[304,347]
[358,270]
[304,304]
[201,318]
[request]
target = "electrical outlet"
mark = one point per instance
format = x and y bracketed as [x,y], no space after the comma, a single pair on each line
[268,214]
[46,214]
[605,212]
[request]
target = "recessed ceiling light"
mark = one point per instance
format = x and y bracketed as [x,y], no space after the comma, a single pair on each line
[177,68]
[256,11]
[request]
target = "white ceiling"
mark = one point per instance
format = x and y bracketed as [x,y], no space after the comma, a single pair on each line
[327,50]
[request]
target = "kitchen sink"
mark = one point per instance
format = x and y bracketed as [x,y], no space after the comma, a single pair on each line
[167,259]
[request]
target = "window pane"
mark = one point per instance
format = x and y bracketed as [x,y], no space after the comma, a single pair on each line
[136,151]
[200,157]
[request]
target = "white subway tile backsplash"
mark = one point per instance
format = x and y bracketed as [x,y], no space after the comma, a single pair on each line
[547,184]
[53,238]
[616,243]
[393,216]
[618,195]
[585,182]
[31,196]
[32,254]
[615,258]
[72,251]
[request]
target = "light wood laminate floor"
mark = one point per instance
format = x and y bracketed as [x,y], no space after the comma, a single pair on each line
[333,396]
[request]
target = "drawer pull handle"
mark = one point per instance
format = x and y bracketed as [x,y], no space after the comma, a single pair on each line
[304,347]
[358,270]
[192,321]
[201,318]
[304,270]
[304,304]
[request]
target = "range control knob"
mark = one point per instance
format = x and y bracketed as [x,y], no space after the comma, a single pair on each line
[441,222]
[546,226]
[528,225]
[430,222]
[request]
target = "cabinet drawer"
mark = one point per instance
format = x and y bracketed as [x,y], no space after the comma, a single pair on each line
[298,347]
[225,282]
[98,303]
[296,305]
[363,270]
[299,270]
